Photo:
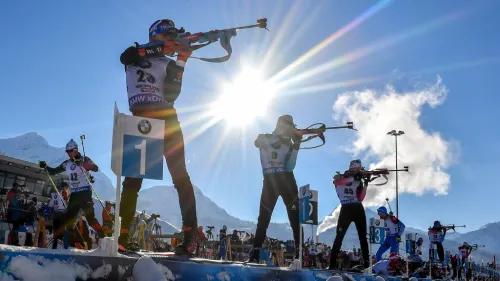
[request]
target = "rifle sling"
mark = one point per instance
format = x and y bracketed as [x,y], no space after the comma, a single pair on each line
[225,43]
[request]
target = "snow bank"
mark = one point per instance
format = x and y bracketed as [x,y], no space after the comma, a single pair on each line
[102,251]
[37,268]
[145,269]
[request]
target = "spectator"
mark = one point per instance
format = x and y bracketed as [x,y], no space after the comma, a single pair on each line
[107,219]
[15,212]
[201,235]
[222,233]
[235,239]
[200,239]
[59,206]
[454,266]
[31,212]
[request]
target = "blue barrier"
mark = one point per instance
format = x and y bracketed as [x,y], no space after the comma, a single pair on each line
[19,262]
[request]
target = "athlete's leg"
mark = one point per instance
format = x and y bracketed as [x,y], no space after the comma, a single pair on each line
[394,245]
[440,251]
[290,194]
[360,222]
[381,250]
[268,200]
[90,215]
[58,229]
[176,162]
[75,204]
[342,226]
[128,204]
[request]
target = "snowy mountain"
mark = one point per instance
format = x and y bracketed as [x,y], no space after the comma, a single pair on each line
[163,200]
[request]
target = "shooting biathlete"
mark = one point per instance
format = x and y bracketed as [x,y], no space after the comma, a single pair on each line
[153,85]
[436,237]
[465,251]
[437,234]
[77,168]
[278,155]
[394,228]
[351,190]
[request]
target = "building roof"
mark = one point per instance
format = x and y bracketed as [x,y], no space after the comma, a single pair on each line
[21,167]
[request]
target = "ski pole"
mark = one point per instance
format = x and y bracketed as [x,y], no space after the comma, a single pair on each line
[389,205]
[95,192]
[82,137]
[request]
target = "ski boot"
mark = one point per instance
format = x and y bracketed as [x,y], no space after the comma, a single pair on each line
[183,249]
[254,255]
[366,267]
[124,245]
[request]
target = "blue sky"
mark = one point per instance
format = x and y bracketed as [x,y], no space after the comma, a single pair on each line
[61,76]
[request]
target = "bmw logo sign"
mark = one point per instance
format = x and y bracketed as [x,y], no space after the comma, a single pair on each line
[144,127]
[73,166]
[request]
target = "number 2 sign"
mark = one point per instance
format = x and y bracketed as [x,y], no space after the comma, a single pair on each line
[138,146]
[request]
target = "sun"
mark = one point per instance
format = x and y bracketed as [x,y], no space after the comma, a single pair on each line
[244,99]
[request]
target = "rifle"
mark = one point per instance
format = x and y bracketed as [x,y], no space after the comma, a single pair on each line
[475,246]
[452,227]
[182,41]
[318,132]
[377,173]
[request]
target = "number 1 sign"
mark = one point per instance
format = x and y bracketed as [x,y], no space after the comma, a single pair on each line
[137,152]
[137,146]
[304,207]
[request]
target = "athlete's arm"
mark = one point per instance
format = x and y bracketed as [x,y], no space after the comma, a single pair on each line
[263,140]
[89,165]
[56,170]
[400,225]
[130,56]
[172,84]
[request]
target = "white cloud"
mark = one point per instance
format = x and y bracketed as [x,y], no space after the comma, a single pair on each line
[426,153]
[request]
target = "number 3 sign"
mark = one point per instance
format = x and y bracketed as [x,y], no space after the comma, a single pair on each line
[137,146]
[377,231]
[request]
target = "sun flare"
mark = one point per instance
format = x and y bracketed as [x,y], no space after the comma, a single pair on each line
[244,99]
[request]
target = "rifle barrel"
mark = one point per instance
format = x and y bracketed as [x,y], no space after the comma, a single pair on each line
[397,170]
[338,127]
[262,23]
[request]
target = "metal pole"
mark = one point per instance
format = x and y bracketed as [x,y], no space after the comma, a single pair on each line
[300,247]
[397,192]
[117,226]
